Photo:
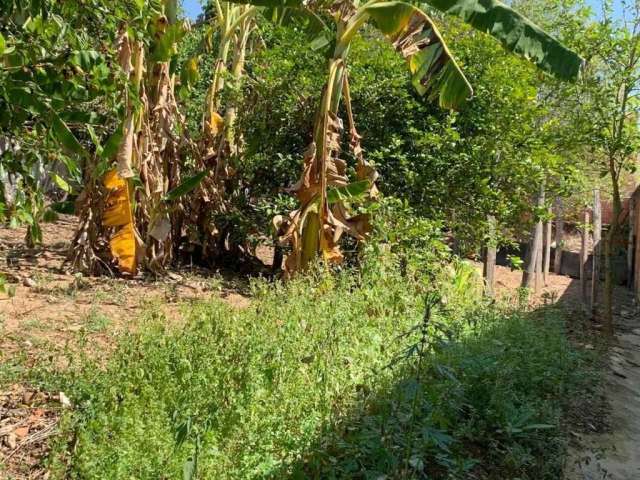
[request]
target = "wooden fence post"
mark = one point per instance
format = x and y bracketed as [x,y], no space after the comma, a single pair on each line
[548,225]
[557,261]
[489,267]
[584,258]
[539,254]
[630,243]
[597,248]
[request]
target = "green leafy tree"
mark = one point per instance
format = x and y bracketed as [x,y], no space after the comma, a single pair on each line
[606,112]
[317,226]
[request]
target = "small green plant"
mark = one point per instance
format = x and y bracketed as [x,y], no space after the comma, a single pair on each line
[94,321]
[523,297]
[6,287]
[515,262]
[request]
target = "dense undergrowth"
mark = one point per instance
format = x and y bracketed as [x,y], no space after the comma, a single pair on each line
[356,375]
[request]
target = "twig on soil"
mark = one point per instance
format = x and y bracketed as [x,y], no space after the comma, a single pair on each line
[10,428]
[36,437]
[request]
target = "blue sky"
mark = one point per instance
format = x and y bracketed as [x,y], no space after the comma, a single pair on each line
[596,5]
[192,8]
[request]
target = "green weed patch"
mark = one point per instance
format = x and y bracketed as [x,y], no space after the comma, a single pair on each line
[334,377]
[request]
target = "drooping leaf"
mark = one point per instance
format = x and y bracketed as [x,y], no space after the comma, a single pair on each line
[354,191]
[122,245]
[124,156]
[3,44]
[516,33]
[215,124]
[61,182]
[65,137]
[190,73]
[417,39]
[185,187]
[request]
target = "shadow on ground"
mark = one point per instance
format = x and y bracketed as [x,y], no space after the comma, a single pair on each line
[486,406]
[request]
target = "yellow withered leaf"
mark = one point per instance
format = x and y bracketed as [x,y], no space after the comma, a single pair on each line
[112,180]
[123,247]
[118,214]
[216,123]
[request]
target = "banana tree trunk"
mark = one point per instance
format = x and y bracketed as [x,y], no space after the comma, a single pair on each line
[106,233]
[312,232]
[237,70]
[160,162]
[210,237]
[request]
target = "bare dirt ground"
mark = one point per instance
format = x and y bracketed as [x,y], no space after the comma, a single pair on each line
[28,419]
[46,308]
[46,312]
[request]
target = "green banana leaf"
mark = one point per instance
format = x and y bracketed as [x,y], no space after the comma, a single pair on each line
[415,37]
[516,33]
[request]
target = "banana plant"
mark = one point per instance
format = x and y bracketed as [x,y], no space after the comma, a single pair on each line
[129,200]
[324,190]
[233,25]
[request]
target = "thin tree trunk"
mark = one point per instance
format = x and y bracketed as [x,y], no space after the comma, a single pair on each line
[529,270]
[631,243]
[597,240]
[584,258]
[547,248]
[539,283]
[535,246]
[489,270]
[557,261]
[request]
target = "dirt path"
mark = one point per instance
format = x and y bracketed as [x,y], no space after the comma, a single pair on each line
[615,454]
[611,449]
